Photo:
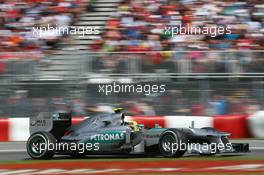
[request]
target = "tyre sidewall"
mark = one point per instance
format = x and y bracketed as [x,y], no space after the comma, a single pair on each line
[47,138]
[179,139]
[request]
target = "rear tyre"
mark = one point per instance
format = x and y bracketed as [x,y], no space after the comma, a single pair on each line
[173,143]
[38,145]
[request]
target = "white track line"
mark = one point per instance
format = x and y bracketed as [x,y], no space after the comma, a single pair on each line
[256,148]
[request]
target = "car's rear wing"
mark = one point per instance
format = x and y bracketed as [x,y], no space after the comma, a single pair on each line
[55,124]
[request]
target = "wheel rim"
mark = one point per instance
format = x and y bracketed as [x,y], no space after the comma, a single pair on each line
[37,145]
[167,143]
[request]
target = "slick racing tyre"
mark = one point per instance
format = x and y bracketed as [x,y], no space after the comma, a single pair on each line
[38,145]
[173,143]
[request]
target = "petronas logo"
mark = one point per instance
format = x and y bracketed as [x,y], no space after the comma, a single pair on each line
[108,137]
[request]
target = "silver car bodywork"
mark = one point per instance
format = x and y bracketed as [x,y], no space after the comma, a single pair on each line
[114,135]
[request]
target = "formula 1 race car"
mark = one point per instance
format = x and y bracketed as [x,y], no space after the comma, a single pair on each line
[109,133]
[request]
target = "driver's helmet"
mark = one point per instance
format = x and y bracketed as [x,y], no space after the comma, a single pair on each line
[133,125]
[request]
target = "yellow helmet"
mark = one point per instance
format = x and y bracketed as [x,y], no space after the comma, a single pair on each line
[133,124]
[118,110]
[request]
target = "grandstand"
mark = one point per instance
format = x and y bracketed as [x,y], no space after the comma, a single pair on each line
[200,71]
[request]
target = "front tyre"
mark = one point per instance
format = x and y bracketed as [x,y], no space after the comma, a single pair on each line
[39,145]
[172,143]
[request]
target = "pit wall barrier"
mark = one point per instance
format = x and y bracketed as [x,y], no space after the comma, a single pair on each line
[240,126]
[256,124]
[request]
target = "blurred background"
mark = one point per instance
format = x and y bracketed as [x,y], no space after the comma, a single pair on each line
[204,75]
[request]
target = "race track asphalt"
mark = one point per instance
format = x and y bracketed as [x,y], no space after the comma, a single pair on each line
[17,151]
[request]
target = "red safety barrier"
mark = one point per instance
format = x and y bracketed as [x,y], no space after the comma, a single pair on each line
[235,124]
[4,129]
[150,121]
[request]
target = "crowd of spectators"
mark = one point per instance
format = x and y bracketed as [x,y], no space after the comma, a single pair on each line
[21,103]
[182,106]
[139,25]
[18,17]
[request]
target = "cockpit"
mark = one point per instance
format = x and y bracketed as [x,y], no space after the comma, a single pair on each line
[107,120]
